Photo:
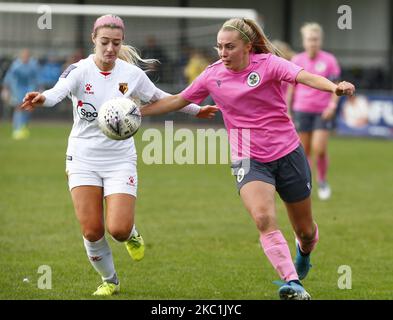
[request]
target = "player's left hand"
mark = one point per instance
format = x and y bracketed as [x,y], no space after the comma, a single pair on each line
[207,112]
[345,88]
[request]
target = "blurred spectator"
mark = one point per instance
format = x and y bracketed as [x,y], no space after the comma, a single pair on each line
[73,58]
[50,72]
[355,111]
[196,64]
[181,62]
[152,50]
[21,77]
[5,63]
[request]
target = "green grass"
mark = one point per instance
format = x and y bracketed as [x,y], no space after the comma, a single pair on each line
[201,243]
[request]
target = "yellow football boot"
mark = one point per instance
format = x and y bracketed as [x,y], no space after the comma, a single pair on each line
[136,247]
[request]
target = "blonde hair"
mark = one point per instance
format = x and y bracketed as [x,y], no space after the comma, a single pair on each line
[126,53]
[311,27]
[284,48]
[131,55]
[251,32]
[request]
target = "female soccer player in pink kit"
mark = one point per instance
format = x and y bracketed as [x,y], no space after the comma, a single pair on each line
[313,110]
[246,86]
[100,169]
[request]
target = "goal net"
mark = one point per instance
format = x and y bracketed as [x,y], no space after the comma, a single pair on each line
[182,39]
[173,33]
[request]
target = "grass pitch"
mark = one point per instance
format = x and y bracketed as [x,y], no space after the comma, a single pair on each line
[201,243]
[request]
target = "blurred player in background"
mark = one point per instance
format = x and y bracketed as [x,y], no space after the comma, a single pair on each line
[21,77]
[314,110]
[99,168]
[287,53]
[246,85]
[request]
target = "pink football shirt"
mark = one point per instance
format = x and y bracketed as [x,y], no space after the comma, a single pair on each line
[308,99]
[252,105]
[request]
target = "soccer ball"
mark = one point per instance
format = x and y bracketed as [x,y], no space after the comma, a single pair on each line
[119,118]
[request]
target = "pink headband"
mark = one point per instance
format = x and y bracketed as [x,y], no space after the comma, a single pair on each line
[109,21]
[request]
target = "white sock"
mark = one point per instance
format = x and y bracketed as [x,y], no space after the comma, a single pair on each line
[100,256]
[133,232]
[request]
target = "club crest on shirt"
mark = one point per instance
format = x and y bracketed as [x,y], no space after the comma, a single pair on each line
[320,66]
[123,87]
[253,79]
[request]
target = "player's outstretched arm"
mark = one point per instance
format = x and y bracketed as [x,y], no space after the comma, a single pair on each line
[206,112]
[321,83]
[173,103]
[32,100]
[164,105]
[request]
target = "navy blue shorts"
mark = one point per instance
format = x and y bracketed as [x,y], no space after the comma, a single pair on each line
[291,175]
[308,122]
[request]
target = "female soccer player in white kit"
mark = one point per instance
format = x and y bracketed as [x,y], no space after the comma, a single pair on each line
[99,168]
[246,84]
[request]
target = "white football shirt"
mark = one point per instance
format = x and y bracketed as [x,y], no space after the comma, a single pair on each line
[88,87]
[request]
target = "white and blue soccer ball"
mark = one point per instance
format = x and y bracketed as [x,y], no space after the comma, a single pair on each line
[119,118]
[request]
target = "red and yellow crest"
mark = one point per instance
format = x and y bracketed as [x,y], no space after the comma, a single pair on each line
[123,87]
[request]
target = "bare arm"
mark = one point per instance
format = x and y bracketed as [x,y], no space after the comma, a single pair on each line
[165,105]
[323,84]
[289,97]
[173,103]
[330,111]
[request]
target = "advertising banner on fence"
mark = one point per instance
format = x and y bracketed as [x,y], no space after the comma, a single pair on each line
[366,115]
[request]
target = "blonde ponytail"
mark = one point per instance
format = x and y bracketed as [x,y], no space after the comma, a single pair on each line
[131,55]
[250,31]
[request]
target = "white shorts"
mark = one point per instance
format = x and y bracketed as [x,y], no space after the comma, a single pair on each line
[119,181]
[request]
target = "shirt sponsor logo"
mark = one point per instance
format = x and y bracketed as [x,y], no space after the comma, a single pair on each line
[253,79]
[86,111]
[123,87]
[88,89]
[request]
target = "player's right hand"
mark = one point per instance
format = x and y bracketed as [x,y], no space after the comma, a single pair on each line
[345,88]
[207,112]
[32,100]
